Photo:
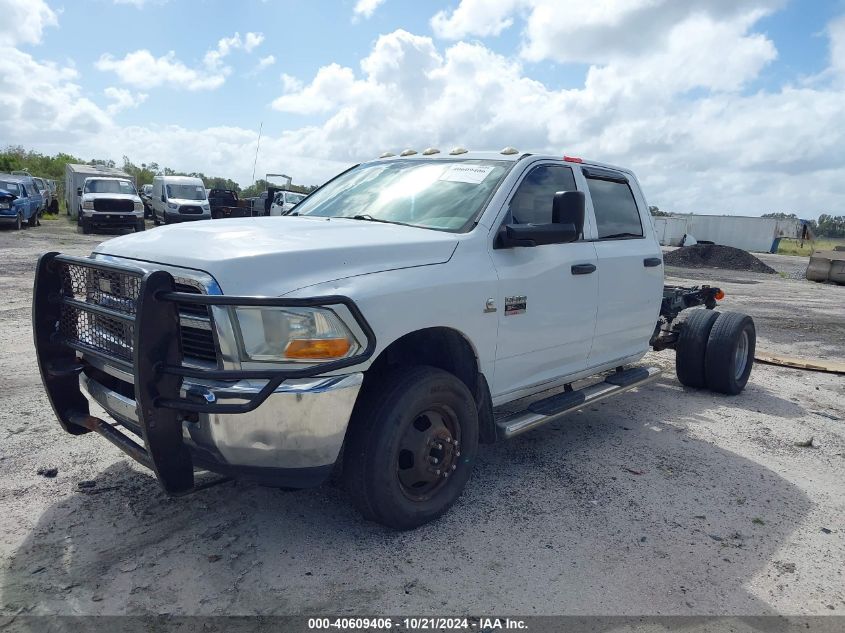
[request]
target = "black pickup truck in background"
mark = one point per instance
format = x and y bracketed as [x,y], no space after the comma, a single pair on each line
[224,203]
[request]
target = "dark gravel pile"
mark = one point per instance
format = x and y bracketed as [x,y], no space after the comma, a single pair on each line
[715,256]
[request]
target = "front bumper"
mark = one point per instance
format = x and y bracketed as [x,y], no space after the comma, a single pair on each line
[178,216]
[293,439]
[117,218]
[115,329]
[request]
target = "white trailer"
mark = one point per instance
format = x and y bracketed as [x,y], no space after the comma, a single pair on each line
[760,235]
[75,175]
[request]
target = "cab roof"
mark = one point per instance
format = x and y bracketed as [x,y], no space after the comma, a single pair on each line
[508,154]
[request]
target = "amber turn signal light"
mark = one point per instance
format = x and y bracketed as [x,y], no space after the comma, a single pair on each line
[317,348]
[720,295]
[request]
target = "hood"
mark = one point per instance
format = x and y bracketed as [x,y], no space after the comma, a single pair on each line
[186,201]
[271,256]
[110,196]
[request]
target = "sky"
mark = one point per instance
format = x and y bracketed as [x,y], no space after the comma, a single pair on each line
[719,106]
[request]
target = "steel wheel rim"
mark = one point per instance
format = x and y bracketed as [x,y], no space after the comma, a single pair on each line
[429,452]
[741,355]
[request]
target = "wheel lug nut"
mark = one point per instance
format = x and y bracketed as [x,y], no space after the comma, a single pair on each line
[454,466]
[437,472]
[445,475]
[457,453]
[434,460]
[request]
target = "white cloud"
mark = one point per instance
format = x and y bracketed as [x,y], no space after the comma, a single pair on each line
[723,150]
[264,62]
[366,8]
[836,33]
[24,21]
[142,69]
[123,99]
[475,17]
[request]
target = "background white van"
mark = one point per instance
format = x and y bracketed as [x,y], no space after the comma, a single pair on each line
[179,199]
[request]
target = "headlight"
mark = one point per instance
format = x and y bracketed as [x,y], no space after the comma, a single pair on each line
[205,207]
[139,206]
[172,205]
[88,204]
[5,205]
[293,334]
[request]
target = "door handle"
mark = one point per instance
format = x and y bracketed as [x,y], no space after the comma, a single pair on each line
[583,269]
[651,262]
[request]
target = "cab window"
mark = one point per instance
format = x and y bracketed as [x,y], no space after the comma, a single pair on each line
[532,202]
[617,216]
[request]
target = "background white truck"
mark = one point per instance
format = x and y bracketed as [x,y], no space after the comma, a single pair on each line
[75,175]
[379,331]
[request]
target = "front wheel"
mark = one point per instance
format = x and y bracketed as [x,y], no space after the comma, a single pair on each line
[140,225]
[19,222]
[411,446]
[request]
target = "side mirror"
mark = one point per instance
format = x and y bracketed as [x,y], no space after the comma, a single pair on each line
[79,191]
[516,235]
[569,207]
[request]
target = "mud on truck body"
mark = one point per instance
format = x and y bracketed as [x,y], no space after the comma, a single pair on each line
[377,332]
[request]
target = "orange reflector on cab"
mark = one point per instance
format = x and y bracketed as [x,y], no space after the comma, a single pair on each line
[312,348]
[720,295]
[572,159]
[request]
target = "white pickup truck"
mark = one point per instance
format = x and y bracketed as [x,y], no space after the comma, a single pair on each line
[377,330]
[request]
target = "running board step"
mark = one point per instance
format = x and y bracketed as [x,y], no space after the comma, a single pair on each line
[559,405]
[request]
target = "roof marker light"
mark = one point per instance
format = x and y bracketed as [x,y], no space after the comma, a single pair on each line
[387,155]
[508,151]
[430,151]
[458,150]
[572,159]
[408,152]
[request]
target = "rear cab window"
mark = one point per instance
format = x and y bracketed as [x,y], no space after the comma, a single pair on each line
[614,205]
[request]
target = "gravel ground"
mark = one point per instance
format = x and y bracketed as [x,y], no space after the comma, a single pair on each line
[666,501]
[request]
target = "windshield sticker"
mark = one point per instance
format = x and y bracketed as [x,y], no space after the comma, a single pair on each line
[473,174]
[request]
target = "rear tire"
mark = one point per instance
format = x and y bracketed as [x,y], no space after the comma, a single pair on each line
[411,446]
[691,348]
[730,353]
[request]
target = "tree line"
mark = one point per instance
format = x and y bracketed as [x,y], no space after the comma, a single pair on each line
[14,158]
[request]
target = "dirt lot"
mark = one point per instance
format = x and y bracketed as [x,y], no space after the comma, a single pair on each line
[667,501]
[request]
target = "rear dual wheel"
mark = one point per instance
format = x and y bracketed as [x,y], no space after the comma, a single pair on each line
[715,351]
[411,446]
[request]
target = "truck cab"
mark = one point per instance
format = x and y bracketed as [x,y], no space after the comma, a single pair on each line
[284,201]
[109,202]
[394,320]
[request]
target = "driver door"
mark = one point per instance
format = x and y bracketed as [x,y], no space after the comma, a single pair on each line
[548,295]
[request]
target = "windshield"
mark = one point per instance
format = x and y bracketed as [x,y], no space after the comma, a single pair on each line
[110,186]
[11,187]
[442,194]
[186,192]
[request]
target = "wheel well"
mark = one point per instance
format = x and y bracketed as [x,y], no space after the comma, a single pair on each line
[446,349]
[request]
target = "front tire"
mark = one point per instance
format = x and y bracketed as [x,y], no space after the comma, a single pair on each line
[140,225]
[730,353]
[411,446]
[19,222]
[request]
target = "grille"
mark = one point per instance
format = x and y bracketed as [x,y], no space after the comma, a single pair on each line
[197,342]
[108,204]
[119,292]
[190,209]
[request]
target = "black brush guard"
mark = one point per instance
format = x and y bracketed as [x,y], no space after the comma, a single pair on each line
[152,321]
